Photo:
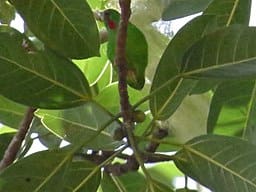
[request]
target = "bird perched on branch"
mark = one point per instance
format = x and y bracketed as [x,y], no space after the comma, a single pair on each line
[136,48]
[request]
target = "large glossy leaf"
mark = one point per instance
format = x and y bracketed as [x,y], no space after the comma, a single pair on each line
[221,163]
[226,53]
[76,177]
[41,79]
[11,113]
[230,11]
[182,8]
[68,27]
[168,89]
[52,171]
[82,124]
[48,168]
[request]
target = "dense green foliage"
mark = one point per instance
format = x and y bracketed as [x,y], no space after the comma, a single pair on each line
[200,88]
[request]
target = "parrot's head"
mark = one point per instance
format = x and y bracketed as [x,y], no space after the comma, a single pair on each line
[111,19]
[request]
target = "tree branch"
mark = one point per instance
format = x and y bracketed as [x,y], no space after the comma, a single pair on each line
[16,142]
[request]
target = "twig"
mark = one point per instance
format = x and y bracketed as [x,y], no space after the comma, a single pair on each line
[16,142]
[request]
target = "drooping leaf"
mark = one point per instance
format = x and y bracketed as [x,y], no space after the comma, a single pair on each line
[224,54]
[48,168]
[42,79]
[168,88]
[82,124]
[66,27]
[11,113]
[181,8]
[221,163]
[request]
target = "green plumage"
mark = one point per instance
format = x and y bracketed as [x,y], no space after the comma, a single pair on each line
[136,49]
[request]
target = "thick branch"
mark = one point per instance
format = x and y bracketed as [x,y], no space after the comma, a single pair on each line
[16,142]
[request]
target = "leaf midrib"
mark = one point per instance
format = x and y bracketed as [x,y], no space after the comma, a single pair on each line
[207,158]
[83,97]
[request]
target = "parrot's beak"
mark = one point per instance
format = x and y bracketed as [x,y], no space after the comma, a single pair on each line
[99,15]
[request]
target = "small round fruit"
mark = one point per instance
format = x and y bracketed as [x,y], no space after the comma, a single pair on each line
[139,116]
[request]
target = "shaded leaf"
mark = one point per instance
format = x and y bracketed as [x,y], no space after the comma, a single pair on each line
[5,139]
[76,174]
[132,182]
[42,79]
[168,89]
[226,53]
[82,124]
[221,163]
[181,8]
[230,11]
[46,175]
[11,113]
[68,28]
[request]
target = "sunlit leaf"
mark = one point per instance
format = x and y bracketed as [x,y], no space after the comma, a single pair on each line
[221,163]
[250,127]
[228,110]
[66,27]
[42,79]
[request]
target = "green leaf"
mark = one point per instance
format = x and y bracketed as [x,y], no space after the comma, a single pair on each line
[228,109]
[7,12]
[77,174]
[249,131]
[132,182]
[221,163]
[42,79]
[181,8]
[45,136]
[230,11]
[168,89]
[48,168]
[109,98]
[11,113]
[81,124]
[66,27]
[165,172]
[224,54]
[5,139]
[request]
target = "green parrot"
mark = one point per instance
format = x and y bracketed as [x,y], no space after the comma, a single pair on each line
[136,48]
